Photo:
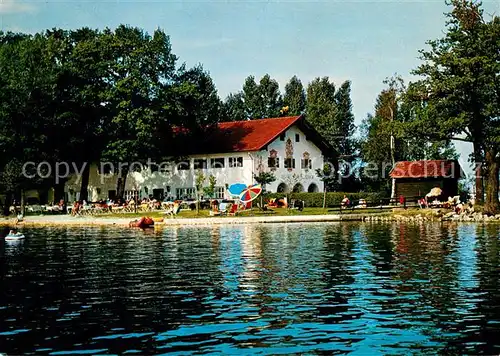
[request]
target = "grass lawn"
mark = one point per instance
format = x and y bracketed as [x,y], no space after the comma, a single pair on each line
[248,213]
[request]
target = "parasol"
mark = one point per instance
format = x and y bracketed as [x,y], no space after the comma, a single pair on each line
[435,192]
[250,193]
[236,189]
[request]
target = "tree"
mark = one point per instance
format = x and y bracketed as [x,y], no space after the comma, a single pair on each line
[330,113]
[321,108]
[346,128]
[385,138]
[30,123]
[199,182]
[262,100]
[270,97]
[294,97]
[234,108]
[150,96]
[327,176]
[209,190]
[251,98]
[291,180]
[458,95]
[264,178]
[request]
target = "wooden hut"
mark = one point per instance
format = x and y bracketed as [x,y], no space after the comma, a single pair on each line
[417,178]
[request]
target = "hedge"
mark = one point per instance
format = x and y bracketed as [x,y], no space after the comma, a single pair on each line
[333,199]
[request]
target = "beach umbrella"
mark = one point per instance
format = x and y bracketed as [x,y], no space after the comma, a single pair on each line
[435,192]
[250,193]
[236,189]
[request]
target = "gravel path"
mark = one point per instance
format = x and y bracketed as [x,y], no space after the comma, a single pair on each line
[68,220]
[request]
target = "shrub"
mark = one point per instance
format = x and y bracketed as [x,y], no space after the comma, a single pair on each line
[333,199]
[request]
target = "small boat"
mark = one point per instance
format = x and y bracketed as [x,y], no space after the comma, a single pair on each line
[143,223]
[14,236]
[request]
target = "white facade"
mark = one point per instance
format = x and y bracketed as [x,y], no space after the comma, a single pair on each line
[292,148]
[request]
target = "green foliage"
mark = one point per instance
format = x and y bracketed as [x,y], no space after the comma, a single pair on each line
[234,108]
[333,199]
[90,95]
[255,101]
[209,190]
[199,181]
[295,97]
[264,178]
[328,177]
[458,93]
[270,97]
[393,115]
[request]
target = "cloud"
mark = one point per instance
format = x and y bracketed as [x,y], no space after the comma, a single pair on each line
[14,6]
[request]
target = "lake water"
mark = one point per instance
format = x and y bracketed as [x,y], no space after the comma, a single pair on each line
[268,289]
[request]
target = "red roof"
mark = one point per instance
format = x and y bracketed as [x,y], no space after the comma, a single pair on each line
[427,169]
[253,135]
[247,136]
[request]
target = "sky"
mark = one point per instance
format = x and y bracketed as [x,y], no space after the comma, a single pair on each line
[361,41]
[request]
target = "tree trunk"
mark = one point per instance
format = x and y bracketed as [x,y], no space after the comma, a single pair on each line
[491,206]
[59,190]
[120,183]
[22,202]
[7,203]
[84,189]
[478,161]
[324,196]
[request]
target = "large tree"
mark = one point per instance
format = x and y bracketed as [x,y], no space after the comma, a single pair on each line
[234,108]
[294,98]
[141,67]
[458,95]
[270,97]
[260,100]
[251,98]
[330,113]
[385,140]
[29,120]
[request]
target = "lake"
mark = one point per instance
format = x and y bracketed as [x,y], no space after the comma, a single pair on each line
[392,288]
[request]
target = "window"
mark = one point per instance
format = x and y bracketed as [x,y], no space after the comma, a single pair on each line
[200,163]
[282,137]
[289,163]
[217,163]
[297,138]
[273,162]
[219,192]
[235,162]
[306,163]
[185,193]
[158,194]
[183,166]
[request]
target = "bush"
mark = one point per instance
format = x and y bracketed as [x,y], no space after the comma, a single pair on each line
[333,199]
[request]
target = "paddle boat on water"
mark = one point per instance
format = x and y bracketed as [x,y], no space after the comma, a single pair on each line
[14,235]
[143,222]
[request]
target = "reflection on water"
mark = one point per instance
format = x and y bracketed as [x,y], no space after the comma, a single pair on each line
[273,289]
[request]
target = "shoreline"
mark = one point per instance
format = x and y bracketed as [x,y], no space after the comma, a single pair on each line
[65,220]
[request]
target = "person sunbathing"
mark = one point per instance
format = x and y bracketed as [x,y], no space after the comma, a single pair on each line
[345,202]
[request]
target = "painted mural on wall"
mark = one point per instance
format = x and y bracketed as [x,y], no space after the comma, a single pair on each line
[273,160]
[289,152]
[260,164]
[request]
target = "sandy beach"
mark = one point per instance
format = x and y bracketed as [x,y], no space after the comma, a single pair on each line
[68,220]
